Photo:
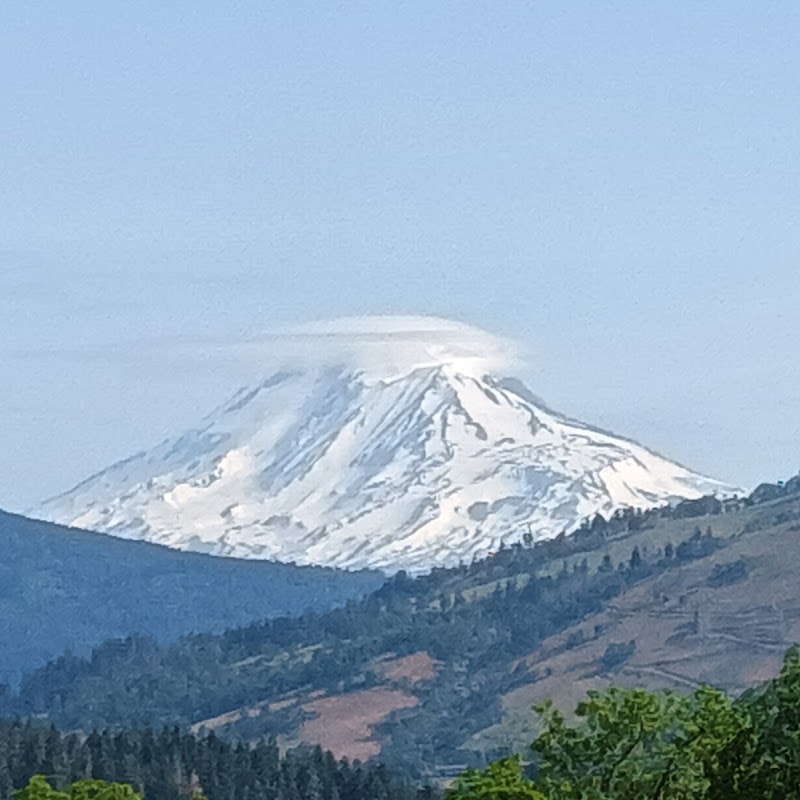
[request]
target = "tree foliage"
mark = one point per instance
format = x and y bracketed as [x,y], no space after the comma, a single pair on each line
[631,744]
[502,780]
[87,789]
[636,744]
[764,761]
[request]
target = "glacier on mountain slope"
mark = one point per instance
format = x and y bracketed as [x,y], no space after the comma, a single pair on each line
[331,465]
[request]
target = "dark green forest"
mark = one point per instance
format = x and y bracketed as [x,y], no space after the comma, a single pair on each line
[168,764]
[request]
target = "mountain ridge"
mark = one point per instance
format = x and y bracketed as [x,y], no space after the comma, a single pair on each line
[67,589]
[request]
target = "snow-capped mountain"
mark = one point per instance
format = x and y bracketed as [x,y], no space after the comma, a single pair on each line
[430,465]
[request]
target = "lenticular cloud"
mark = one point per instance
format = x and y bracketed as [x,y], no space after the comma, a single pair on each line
[383,346]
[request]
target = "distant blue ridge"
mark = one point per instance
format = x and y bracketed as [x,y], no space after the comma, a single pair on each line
[66,589]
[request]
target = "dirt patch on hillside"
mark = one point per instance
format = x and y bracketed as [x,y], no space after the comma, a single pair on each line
[408,669]
[215,723]
[345,724]
[228,719]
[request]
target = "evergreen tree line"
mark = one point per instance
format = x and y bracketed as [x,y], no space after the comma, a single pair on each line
[169,764]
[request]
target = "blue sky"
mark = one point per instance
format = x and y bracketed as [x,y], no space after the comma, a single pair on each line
[614,185]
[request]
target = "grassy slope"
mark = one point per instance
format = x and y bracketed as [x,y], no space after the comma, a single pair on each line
[687,630]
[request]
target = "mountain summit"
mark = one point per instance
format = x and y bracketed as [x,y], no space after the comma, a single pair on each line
[425,462]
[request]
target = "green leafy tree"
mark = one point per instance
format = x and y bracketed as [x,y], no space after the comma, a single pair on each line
[39,789]
[90,789]
[633,744]
[626,745]
[764,762]
[502,780]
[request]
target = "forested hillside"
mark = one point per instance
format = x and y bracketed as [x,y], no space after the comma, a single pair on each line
[439,672]
[62,589]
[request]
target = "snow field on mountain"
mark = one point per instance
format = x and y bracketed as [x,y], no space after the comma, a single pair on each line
[331,465]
